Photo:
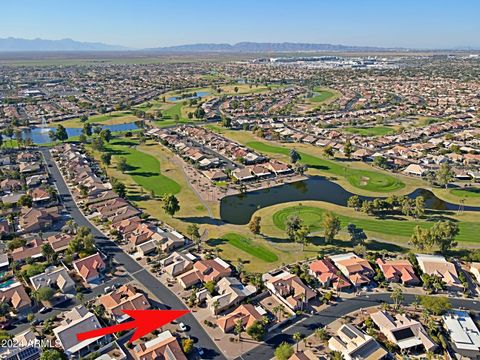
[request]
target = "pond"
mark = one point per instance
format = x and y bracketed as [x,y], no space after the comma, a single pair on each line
[39,135]
[198,94]
[238,209]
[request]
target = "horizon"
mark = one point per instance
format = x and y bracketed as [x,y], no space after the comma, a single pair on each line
[372,23]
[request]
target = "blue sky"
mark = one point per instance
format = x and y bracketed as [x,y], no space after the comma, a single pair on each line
[151,23]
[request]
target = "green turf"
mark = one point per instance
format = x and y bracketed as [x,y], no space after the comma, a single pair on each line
[363,179]
[473,192]
[371,131]
[249,247]
[144,168]
[404,228]
[321,95]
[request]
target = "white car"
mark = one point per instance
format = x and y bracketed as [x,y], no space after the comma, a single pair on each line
[182,326]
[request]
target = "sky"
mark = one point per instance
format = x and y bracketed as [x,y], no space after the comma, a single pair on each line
[152,23]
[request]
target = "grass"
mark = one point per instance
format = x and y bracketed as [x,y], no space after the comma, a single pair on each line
[246,245]
[144,168]
[113,118]
[370,131]
[321,95]
[403,228]
[472,192]
[363,179]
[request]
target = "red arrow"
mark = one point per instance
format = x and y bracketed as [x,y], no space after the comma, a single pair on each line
[145,321]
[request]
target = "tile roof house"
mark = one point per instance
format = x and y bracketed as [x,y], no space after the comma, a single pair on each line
[59,242]
[289,289]
[475,270]
[402,331]
[357,270]
[39,194]
[165,346]
[32,249]
[230,292]
[76,321]
[89,267]
[398,271]
[246,313]
[328,275]
[354,344]
[437,265]
[37,219]
[203,271]
[125,297]
[177,263]
[56,278]
[16,296]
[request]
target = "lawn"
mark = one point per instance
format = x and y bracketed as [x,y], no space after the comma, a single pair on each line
[321,95]
[363,179]
[113,118]
[472,192]
[245,244]
[144,168]
[371,131]
[404,228]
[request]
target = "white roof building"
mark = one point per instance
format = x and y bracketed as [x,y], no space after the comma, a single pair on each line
[464,334]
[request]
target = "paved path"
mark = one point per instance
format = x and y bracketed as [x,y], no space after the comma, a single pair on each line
[134,269]
[307,324]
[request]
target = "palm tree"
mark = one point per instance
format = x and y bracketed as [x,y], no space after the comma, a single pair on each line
[216,305]
[297,337]
[320,334]
[238,329]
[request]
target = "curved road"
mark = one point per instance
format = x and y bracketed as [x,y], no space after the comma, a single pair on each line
[134,269]
[309,323]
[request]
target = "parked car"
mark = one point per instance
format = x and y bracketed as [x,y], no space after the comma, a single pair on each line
[182,326]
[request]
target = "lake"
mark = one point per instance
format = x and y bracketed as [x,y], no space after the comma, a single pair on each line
[199,94]
[39,135]
[238,209]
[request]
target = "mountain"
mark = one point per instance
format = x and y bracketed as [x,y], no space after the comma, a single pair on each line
[15,44]
[266,47]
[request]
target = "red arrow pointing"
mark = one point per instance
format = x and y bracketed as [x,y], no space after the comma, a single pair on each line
[145,321]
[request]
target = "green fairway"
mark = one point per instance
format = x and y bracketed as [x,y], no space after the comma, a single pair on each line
[113,118]
[144,168]
[371,131]
[321,95]
[249,247]
[363,179]
[313,218]
[466,192]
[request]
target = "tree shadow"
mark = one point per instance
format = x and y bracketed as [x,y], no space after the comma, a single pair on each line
[202,220]
[376,245]
[144,173]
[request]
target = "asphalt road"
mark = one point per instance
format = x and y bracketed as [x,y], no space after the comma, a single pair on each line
[135,270]
[307,325]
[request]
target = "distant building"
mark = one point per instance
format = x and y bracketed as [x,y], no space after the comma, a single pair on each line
[463,333]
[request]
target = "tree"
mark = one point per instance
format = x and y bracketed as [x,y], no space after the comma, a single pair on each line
[331,226]
[397,297]
[301,235]
[122,164]
[408,206]
[444,175]
[83,138]
[170,204]
[226,122]
[292,225]
[25,200]
[44,294]
[294,156]
[254,225]
[210,286]
[52,135]
[380,161]
[87,129]
[297,337]
[52,354]
[443,234]
[436,305]
[328,151]
[83,118]
[238,329]
[257,331]
[194,232]
[320,334]
[357,235]
[106,135]
[354,202]
[61,133]
[48,252]
[348,149]
[421,239]
[283,351]
[106,158]
[419,210]
[119,188]
[187,345]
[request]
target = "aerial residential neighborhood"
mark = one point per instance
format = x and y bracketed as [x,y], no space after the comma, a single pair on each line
[279,179]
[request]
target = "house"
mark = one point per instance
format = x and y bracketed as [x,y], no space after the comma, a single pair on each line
[414,169]
[398,271]
[4,227]
[90,267]
[437,265]
[26,347]
[242,174]
[354,344]
[289,289]
[15,295]
[216,175]
[39,195]
[303,355]
[403,332]
[177,263]
[125,297]
[278,167]
[164,346]
[56,278]
[147,248]
[327,275]
[463,333]
[203,271]
[32,249]
[37,219]
[59,242]
[230,293]
[246,313]
[357,270]
[142,233]
[76,321]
